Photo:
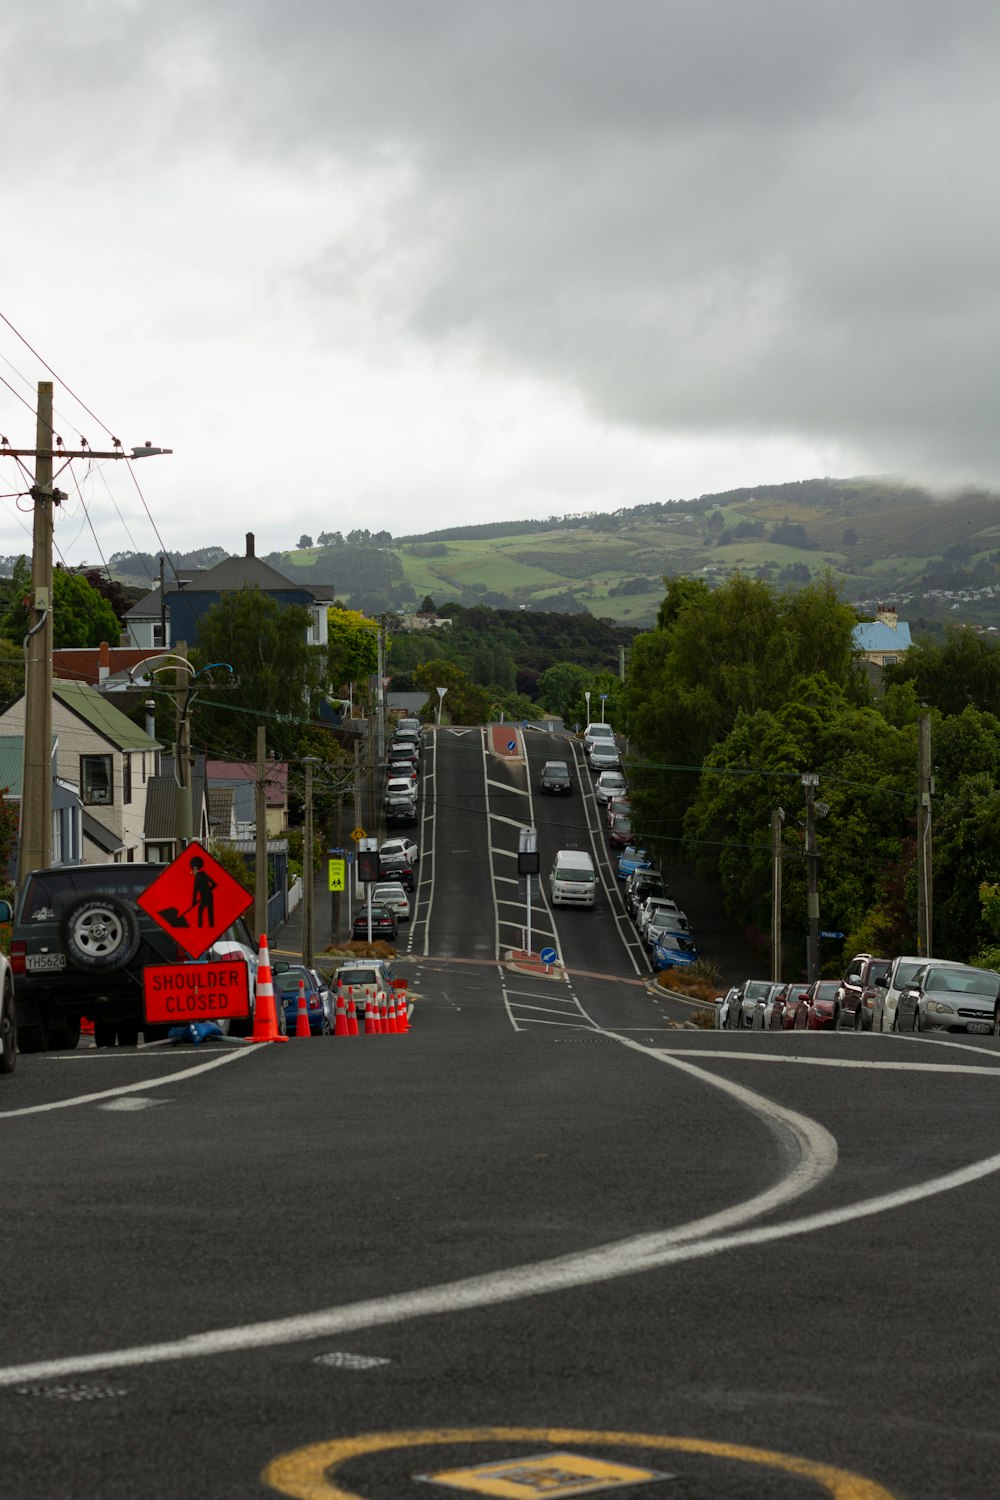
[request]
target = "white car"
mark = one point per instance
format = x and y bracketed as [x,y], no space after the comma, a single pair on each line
[654,906]
[391,893]
[393,847]
[901,971]
[365,978]
[610,784]
[605,757]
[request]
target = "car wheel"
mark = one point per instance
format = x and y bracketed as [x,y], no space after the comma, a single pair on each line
[8,1032]
[895,1021]
[128,1033]
[104,1033]
[859,1024]
[996,1021]
[916,1018]
[838,1017]
[66,1036]
[100,932]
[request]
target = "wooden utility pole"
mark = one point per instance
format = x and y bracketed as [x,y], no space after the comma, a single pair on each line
[182,750]
[810,780]
[35,840]
[35,850]
[308,870]
[925,882]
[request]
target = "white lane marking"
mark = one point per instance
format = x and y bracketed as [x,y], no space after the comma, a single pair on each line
[130,1088]
[840,1062]
[926,1039]
[502,818]
[338,1361]
[573,1025]
[813,1145]
[505,786]
[132,1102]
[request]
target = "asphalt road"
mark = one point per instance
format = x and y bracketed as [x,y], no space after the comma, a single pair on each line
[546,1231]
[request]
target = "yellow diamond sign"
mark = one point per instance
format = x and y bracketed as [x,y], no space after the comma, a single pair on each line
[545,1474]
[357,834]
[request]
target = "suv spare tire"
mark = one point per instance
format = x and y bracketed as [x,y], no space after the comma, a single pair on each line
[100,932]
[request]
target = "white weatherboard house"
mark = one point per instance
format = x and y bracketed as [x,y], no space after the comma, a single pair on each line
[106,759]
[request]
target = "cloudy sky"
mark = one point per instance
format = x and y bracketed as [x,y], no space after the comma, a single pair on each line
[411,263]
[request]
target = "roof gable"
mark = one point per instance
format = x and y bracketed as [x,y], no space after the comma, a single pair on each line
[106,720]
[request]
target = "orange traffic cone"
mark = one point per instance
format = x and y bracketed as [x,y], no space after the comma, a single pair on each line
[302,1015]
[383,1011]
[403,1011]
[352,1014]
[265,1020]
[372,1024]
[340,1027]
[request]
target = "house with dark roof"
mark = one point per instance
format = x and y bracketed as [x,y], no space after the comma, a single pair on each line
[106,759]
[182,607]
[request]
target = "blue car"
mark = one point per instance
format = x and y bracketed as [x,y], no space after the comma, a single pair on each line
[673,950]
[632,858]
[286,995]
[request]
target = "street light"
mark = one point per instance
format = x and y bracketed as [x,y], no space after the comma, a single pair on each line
[604,699]
[587,697]
[441,693]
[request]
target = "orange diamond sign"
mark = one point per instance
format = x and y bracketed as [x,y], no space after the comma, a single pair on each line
[195,900]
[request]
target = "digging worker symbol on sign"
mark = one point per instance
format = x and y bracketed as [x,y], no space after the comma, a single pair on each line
[202,897]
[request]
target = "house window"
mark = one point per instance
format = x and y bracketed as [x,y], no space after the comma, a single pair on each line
[888,661]
[126,777]
[96,783]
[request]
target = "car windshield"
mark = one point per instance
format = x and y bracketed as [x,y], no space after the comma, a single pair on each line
[757,989]
[827,990]
[905,972]
[962,981]
[572,872]
[555,768]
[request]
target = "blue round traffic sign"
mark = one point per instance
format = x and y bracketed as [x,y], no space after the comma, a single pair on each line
[512,744]
[548,955]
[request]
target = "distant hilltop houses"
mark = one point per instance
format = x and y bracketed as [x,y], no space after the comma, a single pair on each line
[884,640]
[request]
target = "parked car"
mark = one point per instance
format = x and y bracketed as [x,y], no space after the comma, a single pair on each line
[391,893]
[631,859]
[722,1008]
[400,812]
[405,750]
[556,779]
[365,978]
[620,831]
[774,1005]
[8,1009]
[286,991]
[399,788]
[640,884]
[949,997]
[764,1006]
[402,770]
[605,757]
[817,1010]
[397,867]
[79,945]
[656,906]
[597,733]
[410,726]
[856,995]
[744,1002]
[613,807]
[384,925]
[901,971]
[610,784]
[673,950]
[401,845]
[795,998]
[662,924]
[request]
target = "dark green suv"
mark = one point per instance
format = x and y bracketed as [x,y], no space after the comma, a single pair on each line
[78,948]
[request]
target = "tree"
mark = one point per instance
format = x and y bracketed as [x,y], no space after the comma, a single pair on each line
[279,678]
[305,541]
[11,673]
[80,616]
[465,703]
[352,645]
[964,671]
[561,689]
[427,605]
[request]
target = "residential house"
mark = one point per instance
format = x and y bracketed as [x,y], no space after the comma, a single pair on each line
[67,809]
[884,640]
[106,759]
[241,777]
[183,605]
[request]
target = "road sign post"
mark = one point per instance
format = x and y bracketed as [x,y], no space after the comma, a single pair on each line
[527,865]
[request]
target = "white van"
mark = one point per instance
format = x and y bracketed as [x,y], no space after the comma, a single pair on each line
[572,881]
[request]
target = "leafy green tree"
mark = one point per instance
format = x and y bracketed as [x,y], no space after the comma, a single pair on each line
[11,672]
[464,703]
[80,616]
[279,679]
[964,670]
[561,689]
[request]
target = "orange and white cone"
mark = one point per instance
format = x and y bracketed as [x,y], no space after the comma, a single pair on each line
[265,1020]
[352,1014]
[340,1027]
[402,1010]
[373,1025]
[383,1011]
[302,1014]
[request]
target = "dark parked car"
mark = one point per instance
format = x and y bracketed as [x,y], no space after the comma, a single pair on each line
[620,831]
[286,991]
[397,867]
[856,995]
[79,944]
[641,884]
[383,924]
[400,814]
[555,778]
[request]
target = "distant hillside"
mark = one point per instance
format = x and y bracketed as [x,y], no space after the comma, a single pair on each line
[880,538]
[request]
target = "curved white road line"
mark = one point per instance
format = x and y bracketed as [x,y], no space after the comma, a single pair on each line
[813,1147]
[131,1088]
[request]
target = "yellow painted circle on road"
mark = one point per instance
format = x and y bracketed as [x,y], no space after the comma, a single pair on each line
[310,1473]
[357,834]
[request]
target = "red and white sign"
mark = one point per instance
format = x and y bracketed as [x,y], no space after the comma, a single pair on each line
[195,900]
[175,994]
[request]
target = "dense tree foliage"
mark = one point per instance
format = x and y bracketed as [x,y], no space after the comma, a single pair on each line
[352,646]
[81,616]
[963,669]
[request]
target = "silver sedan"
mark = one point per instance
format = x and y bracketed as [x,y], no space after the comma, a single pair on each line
[950,998]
